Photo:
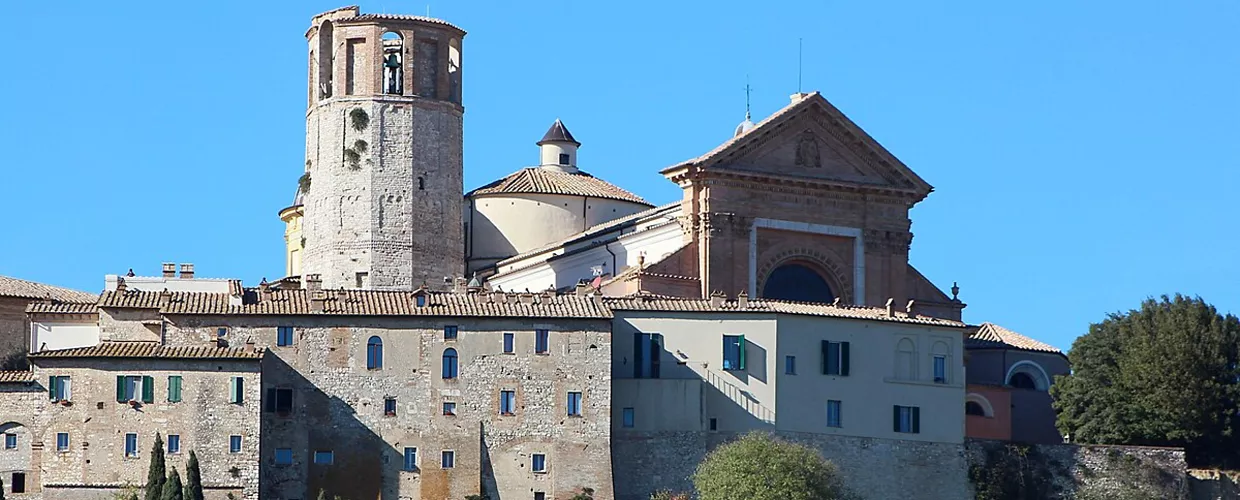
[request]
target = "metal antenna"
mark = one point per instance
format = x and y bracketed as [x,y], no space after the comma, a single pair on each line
[800,44]
[428,10]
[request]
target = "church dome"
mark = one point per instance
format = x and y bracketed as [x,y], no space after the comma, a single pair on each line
[744,126]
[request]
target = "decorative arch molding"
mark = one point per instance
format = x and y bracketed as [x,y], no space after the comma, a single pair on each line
[820,260]
[850,289]
[987,409]
[1041,381]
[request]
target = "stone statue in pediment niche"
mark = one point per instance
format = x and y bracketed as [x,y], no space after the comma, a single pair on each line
[807,151]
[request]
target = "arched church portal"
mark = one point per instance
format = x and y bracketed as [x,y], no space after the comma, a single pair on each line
[798,281]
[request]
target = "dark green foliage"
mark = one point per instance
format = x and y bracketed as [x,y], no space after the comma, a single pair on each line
[1012,472]
[133,496]
[760,467]
[303,183]
[669,495]
[1,489]
[584,494]
[360,146]
[155,472]
[15,362]
[354,159]
[193,478]
[1164,375]
[173,489]
[359,119]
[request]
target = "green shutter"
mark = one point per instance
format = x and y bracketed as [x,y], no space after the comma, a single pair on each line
[741,346]
[51,388]
[120,389]
[235,391]
[895,418]
[826,355]
[148,389]
[916,419]
[844,358]
[174,388]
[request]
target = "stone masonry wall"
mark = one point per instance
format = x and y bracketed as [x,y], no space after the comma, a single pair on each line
[338,405]
[1089,472]
[14,327]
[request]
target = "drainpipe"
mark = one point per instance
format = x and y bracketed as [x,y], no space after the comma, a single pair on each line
[614,271]
[585,224]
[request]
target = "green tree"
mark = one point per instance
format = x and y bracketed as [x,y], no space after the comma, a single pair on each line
[193,478]
[760,467]
[1,489]
[1163,375]
[155,472]
[173,489]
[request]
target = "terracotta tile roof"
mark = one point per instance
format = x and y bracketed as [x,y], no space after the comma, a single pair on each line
[663,303]
[547,181]
[12,377]
[596,230]
[13,287]
[398,17]
[150,350]
[367,303]
[992,336]
[44,307]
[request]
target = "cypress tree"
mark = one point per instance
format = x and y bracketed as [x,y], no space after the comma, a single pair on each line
[193,479]
[173,489]
[1,489]
[155,474]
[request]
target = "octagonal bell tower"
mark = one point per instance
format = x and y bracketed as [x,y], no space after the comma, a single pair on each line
[383,186]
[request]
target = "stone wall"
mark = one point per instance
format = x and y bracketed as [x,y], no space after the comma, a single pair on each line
[1078,472]
[14,328]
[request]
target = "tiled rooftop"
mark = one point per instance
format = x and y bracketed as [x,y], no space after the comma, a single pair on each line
[992,336]
[13,287]
[597,229]
[398,17]
[13,377]
[648,302]
[544,181]
[44,307]
[150,350]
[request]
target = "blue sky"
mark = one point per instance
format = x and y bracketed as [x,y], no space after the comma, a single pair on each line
[1085,155]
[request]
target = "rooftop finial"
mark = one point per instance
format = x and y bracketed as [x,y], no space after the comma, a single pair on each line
[748,89]
[955,291]
[746,125]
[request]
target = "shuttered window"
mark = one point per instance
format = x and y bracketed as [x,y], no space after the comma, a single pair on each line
[174,388]
[835,358]
[236,391]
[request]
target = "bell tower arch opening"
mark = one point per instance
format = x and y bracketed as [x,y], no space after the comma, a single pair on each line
[798,281]
[393,63]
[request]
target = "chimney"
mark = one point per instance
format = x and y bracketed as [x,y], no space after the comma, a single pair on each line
[716,299]
[317,298]
[264,290]
[164,298]
[742,300]
[187,271]
[526,298]
[909,308]
[797,97]
[891,310]
[120,284]
[313,282]
[582,289]
[170,270]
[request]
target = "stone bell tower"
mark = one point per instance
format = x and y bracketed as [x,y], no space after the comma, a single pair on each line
[383,191]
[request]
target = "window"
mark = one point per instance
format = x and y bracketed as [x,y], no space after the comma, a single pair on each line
[940,369]
[389,407]
[907,419]
[284,336]
[10,441]
[538,495]
[449,332]
[135,388]
[174,388]
[733,352]
[507,402]
[449,363]
[19,482]
[361,279]
[58,388]
[234,444]
[421,300]
[174,444]
[835,358]
[626,418]
[540,463]
[62,442]
[564,159]
[449,408]
[647,349]
[279,400]
[833,413]
[714,424]
[574,404]
[221,332]
[236,391]
[324,457]
[374,353]
[131,445]
[447,459]
[974,408]
[508,347]
[541,341]
[790,365]
[284,456]
[411,459]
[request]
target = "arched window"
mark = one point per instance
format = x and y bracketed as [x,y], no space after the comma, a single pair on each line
[449,363]
[1028,375]
[977,404]
[974,408]
[906,360]
[797,282]
[374,353]
[393,64]
[454,70]
[1022,381]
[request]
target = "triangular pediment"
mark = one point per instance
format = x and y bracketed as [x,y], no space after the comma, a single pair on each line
[811,139]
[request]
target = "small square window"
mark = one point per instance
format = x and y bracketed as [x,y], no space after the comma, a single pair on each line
[284,336]
[507,402]
[574,404]
[221,332]
[790,365]
[564,159]
[389,407]
[284,456]
[627,418]
[907,419]
[833,413]
[538,495]
[449,332]
[411,459]
[10,441]
[449,408]
[447,459]
[542,341]
[234,444]
[131,445]
[62,442]
[174,444]
[508,343]
[540,463]
[324,457]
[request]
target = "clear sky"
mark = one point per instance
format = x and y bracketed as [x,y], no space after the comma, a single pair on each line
[1085,155]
